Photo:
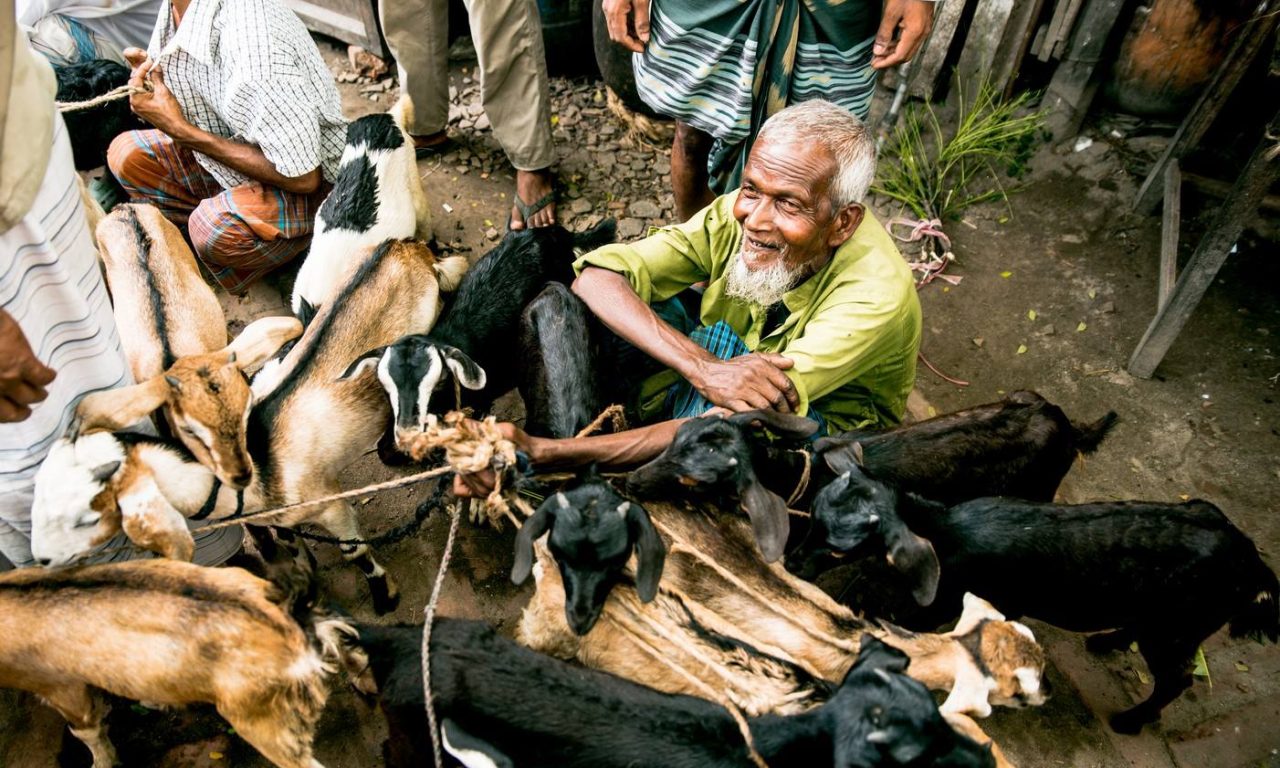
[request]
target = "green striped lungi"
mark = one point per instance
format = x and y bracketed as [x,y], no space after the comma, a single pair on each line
[725,66]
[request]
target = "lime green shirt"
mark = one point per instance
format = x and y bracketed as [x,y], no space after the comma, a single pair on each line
[853,329]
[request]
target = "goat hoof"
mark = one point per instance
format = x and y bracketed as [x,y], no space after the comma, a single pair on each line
[1129,722]
[385,600]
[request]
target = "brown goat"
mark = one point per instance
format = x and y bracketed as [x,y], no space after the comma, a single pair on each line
[165,632]
[764,636]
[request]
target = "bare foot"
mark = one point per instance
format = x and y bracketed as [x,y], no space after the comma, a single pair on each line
[531,188]
[430,140]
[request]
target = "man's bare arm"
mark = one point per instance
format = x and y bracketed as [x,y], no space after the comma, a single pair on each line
[744,383]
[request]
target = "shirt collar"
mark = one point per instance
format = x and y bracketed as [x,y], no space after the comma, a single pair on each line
[195,34]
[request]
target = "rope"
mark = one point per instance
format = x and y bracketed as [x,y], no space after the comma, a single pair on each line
[115,94]
[707,691]
[428,619]
[803,484]
[942,375]
[937,262]
[613,412]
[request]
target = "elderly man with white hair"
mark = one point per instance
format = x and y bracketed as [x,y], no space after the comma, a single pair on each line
[808,307]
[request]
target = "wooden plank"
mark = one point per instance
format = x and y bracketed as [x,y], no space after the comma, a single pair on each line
[923,82]
[986,33]
[1064,32]
[1252,38]
[1017,39]
[351,21]
[1052,33]
[1220,189]
[1071,90]
[1169,227]
[1262,170]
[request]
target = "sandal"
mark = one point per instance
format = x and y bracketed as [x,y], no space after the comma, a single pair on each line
[528,209]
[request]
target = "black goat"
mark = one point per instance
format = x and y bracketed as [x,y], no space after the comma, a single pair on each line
[92,130]
[495,699]
[592,534]
[713,458]
[558,381]
[1165,575]
[474,342]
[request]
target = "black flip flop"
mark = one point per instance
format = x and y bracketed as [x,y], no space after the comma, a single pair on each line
[528,209]
[440,148]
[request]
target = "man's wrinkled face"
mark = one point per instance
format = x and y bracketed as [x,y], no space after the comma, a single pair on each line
[789,226]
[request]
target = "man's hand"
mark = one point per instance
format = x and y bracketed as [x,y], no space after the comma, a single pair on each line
[628,23]
[748,382]
[22,377]
[909,21]
[158,107]
[480,484]
[135,57]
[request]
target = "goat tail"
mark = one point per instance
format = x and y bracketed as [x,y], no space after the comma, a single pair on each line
[1089,436]
[450,270]
[1261,616]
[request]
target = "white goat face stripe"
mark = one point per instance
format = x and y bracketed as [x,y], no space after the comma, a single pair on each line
[435,370]
[1029,679]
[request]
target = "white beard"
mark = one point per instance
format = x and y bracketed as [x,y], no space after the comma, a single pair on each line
[763,287]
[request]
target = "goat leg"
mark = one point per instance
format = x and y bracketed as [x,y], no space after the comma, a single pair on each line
[1106,642]
[85,712]
[340,520]
[1171,663]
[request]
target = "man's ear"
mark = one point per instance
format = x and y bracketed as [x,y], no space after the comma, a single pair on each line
[844,223]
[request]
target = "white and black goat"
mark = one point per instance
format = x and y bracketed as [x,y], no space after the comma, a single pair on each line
[727,617]
[169,633]
[377,196]
[305,428]
[474,344]
[1165,575]
[174,335]
[503,705]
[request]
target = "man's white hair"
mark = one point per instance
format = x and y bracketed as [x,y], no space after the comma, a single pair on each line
[842,134]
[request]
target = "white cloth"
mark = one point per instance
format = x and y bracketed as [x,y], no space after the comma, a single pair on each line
[248,70]
[124,22]
[51,284]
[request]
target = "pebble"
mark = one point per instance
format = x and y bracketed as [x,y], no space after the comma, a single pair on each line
[482,123]
[645,209]
[1108,308]
[1048,330]
[662,167]
[475,108]
[581,205]
[629,228]
[491,233]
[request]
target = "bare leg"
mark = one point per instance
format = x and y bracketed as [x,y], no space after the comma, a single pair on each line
[532,186]
[689,185]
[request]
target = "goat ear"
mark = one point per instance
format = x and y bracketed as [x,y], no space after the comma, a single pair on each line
[115,409]
[874,653]
[912,556]
[651,550]
[840,455]
[769,521]
[533,528]
[471,751]
[261,339]
[976,610]
[103,472]
[781,424]
[366,362]
[151,522]
[464,369]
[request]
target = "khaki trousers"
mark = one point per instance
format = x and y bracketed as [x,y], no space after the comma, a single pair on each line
[513,70]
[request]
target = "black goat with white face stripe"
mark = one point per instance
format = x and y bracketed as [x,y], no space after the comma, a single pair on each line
[477,340]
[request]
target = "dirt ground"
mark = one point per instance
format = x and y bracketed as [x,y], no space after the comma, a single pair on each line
[1208,426]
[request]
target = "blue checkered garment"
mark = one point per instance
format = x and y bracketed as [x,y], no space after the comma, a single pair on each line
[683,401]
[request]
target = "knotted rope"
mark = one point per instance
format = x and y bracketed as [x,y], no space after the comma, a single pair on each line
[115,94]
[933,265]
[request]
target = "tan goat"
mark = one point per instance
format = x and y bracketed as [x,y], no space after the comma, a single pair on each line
[165,632]
[174,335]
[768,638]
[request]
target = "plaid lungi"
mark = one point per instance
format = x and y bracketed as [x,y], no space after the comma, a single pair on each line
[725,66]
[240,233]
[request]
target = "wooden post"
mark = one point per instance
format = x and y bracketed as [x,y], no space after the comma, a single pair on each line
[986,33]
[1259,174]
[1071,90]
[1169,227]
[924,70]
[1255,33]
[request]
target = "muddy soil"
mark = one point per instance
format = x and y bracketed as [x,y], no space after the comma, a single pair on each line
[1057,289]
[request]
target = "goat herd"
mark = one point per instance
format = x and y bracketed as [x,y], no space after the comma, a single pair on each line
[670,625]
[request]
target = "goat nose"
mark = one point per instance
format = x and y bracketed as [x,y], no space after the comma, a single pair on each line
[242,478]
[43,560]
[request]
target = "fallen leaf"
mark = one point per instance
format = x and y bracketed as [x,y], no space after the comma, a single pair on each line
[555,119]
[1002,220]
[1093,294]
[1081,327]
[1133,647]
[979,341]
[946,289]
[1031,314]
[932,411]
[1202,667]
[215,755]
[1242,667]
[488,223]
[1022,349]
[1185,496]
[1006,274]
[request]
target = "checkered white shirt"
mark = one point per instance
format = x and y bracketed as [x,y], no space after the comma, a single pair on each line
[249,71]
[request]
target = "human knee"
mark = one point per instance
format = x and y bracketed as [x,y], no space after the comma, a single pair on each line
[124,156]
[692,140]
[217,232]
